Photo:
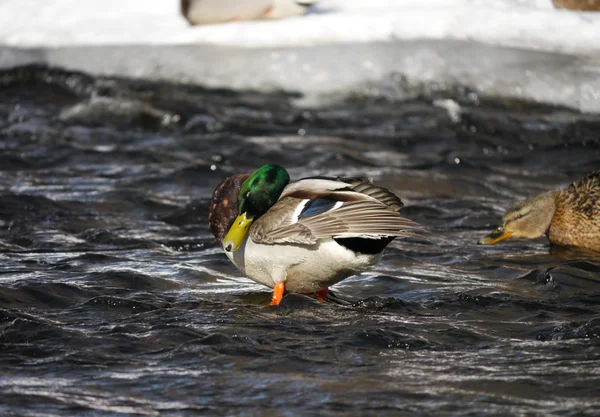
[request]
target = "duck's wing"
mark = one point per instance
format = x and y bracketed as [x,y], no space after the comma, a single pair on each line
[316,208]
[584,195]
[588,184]
[360,185]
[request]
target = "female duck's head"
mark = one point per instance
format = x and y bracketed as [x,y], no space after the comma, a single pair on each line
[258,193]
[527,219]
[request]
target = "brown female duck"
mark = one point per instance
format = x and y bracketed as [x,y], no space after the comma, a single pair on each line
[568,217]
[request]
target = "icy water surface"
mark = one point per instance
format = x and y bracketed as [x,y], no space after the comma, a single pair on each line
[115,299]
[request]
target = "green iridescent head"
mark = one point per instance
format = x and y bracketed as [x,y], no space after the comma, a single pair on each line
[258,194]
[262,190]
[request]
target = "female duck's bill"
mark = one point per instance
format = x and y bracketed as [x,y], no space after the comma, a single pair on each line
[496,236]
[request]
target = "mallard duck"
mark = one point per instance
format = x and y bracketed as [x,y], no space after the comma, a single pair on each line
[306,235]
[568,217]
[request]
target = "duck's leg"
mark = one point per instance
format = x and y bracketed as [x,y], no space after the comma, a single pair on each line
[322,294]
[278,290]
[328,296]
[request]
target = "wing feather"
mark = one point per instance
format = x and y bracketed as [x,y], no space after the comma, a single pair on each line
[366,211]
[367,218]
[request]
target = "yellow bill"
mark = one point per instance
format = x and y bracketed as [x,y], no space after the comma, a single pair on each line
[237,233]
[495,237]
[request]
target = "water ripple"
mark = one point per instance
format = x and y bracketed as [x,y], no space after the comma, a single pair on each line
[115,299]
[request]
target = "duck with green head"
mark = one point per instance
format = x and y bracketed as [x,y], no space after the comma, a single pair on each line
[568,217]
[306,235]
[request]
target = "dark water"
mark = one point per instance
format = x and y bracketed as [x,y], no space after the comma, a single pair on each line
[115,300]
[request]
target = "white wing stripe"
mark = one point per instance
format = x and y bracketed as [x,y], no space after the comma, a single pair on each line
[298,210]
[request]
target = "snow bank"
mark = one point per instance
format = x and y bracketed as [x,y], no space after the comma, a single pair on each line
[513,48]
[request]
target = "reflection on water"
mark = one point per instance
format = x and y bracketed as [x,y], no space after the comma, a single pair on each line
[115,300]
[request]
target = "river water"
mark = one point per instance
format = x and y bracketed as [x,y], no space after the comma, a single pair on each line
[115,299]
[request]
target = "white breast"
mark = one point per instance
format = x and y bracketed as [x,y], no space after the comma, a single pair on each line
[304,269]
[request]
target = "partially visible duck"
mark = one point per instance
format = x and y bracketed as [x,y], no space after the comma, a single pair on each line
[306,235]
[584,5]
[202,12]
[568,217]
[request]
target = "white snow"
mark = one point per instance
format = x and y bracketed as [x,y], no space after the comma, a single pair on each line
[532,24]
[523,49]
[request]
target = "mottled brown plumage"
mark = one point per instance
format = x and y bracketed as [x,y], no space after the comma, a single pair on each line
[576,220]
[223,205]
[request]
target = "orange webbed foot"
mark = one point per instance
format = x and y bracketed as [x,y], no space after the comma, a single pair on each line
[277,294]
